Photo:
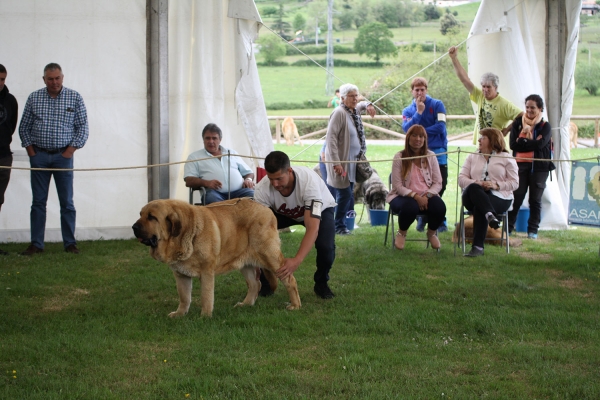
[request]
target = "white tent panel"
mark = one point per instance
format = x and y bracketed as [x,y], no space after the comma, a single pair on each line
[101,47]
[213,78]
[508,38]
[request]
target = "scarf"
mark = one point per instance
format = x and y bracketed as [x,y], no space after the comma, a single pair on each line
[529,125]
[359,129]
[527,131]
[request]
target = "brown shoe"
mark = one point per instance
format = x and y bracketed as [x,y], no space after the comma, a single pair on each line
[433,239]
[72,249]
[31,250]
[400,239]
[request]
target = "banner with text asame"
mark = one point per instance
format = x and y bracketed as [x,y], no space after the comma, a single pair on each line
[584,205]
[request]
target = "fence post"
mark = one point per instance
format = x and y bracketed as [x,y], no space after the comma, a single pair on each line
[277,130]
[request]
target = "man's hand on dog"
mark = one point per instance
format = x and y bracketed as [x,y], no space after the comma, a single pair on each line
[290,265]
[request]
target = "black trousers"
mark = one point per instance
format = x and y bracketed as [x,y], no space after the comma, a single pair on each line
[407,209]
[444,172]
[5,161]
[325,243]
[479,202]
[535,182]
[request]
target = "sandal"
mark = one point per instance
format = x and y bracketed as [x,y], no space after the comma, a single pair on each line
[400,240]
[433,239]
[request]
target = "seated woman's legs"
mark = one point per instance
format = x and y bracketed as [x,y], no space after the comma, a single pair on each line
[436,212]
[480,203]
[407,210]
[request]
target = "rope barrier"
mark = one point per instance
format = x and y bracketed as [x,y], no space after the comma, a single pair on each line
[596,158]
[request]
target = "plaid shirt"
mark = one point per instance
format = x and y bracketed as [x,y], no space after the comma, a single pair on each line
[54,123]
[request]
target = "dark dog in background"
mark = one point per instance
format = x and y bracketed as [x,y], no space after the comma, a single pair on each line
[371,192]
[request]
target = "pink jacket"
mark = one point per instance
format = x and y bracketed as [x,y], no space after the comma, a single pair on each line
[501,169]
[432,176]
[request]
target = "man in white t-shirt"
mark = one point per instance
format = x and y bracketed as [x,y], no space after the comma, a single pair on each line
[298,196]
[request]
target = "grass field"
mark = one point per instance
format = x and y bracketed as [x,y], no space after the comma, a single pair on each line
[411,324]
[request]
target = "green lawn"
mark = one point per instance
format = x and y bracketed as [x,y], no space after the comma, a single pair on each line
[410,324]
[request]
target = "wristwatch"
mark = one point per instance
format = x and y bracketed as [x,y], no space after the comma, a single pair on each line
[248,179]
[429,195]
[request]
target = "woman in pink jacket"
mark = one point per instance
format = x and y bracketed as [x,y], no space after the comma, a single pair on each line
[416,184]
[488,179]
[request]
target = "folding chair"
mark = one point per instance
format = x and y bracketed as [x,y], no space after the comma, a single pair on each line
[391,216]
[504,237]
[202,196]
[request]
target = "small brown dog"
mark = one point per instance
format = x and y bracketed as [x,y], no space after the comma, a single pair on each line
[573,133]
[492,236]
[290,131]
[203,242]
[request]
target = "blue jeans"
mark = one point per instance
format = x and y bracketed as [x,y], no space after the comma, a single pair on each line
[345,203]
[212,196]
[40,184]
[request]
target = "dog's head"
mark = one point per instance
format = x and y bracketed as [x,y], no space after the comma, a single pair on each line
[167,226]
[375,196]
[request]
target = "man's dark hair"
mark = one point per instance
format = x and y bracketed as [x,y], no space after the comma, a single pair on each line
[537,99]
[52,66]
[2,69]
[277,161]
[212,128]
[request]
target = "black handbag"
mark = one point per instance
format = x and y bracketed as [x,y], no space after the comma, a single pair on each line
[363,169]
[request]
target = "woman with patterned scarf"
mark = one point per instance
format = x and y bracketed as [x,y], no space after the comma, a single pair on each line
[531,138]
[345,142]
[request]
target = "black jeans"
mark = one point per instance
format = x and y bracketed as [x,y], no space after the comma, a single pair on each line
[479,202]
[407,209]
[5,161]
[325,243]
[535,182]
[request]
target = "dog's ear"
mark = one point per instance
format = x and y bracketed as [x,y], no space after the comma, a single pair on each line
[173,224]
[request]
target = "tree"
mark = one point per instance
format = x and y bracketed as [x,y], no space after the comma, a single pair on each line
[299,22]
[431,12]
[374,41]
[449,25]
[271,48]
[282,27]
[587,76]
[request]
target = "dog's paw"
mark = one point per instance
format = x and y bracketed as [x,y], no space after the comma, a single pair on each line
[291,307]
[176,314]
[240,304]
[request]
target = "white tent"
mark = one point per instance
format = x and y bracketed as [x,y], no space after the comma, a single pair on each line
[103,48]
[154,72]
[519,40]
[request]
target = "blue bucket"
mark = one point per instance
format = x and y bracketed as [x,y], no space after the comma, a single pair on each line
[350,223]
[378,217]
[522,220]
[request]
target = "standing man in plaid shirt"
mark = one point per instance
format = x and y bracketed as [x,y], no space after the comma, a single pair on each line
[54,124]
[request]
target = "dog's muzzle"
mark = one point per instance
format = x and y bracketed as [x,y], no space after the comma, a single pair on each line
[137,231]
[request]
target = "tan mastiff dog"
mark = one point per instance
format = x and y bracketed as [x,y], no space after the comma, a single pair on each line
[202,242]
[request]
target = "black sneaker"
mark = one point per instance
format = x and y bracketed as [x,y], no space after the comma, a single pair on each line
[343,231]
[474,252]
[493,222]
[323,291]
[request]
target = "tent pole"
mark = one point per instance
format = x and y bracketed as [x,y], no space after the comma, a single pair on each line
[158,97]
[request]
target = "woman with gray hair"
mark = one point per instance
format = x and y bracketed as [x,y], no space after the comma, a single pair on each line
[345,142]
[494,111]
